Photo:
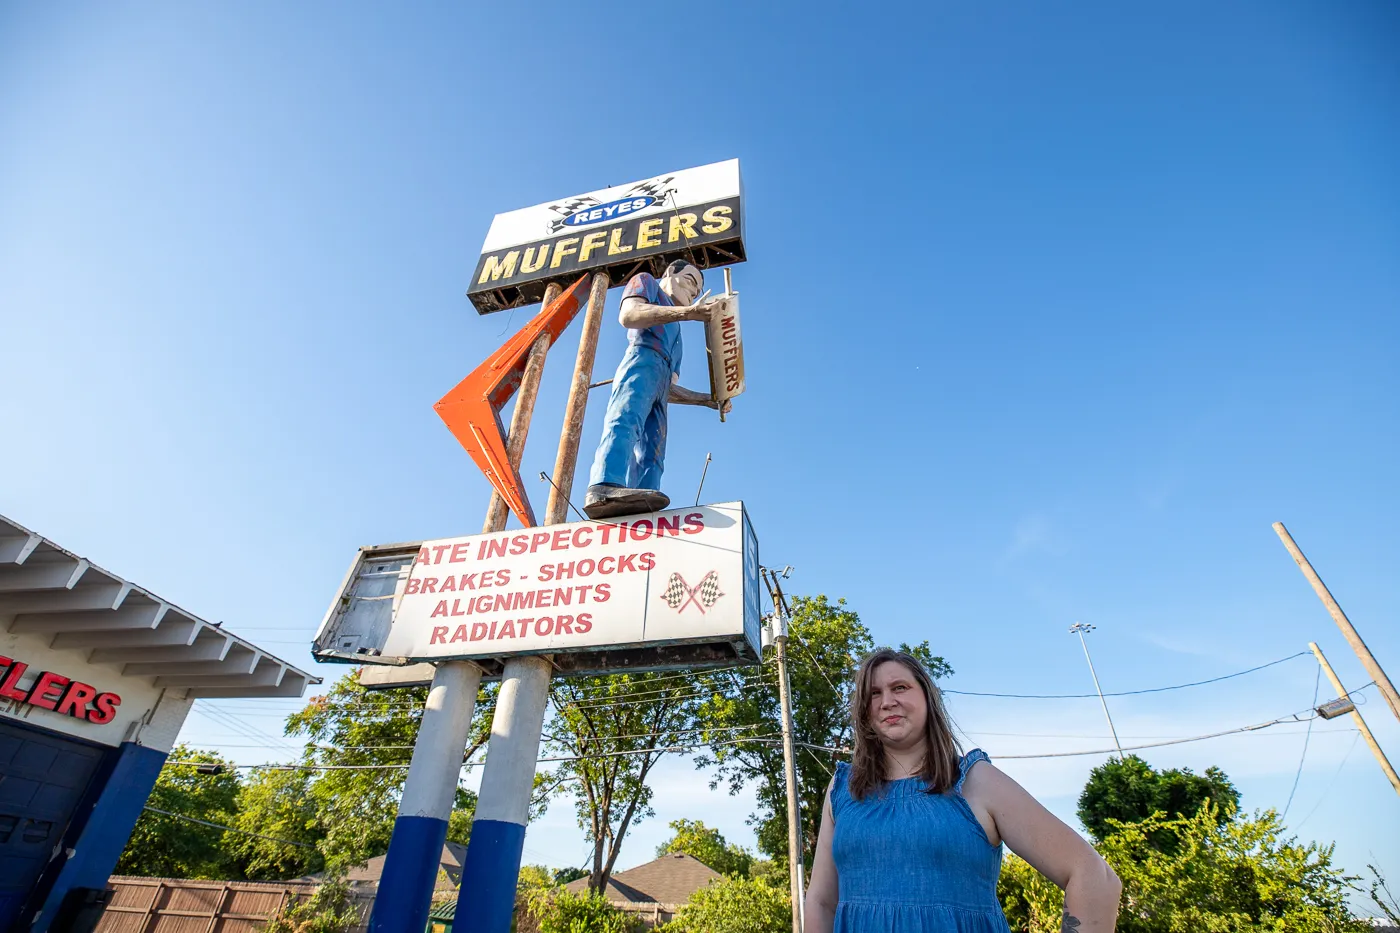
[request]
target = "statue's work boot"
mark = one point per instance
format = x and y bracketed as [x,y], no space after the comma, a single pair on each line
[611,501]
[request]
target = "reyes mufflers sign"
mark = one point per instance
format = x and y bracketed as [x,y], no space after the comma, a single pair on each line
[694,214]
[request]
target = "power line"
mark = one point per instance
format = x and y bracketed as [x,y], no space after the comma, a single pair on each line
[1317,683]
[230,829]
[631,699]
[1355,739]
[817,759]
[633,735]
[684,675]
[278,766]
[587,702]
[1123,693]
[1194,738]
[242,729]
[1292,717]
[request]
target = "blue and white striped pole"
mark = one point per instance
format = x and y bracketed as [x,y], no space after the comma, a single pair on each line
[486,898]
[415,849]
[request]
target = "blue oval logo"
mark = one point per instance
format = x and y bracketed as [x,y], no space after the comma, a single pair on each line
[613,210]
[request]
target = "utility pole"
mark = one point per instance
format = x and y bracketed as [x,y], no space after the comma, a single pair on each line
[1079,628]
[780,637]
[1349,632]
[1356,715]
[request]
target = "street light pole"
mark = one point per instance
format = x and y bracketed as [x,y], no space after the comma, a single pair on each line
[1079,628]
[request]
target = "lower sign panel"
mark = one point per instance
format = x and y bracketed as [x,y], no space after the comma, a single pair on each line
[674,589]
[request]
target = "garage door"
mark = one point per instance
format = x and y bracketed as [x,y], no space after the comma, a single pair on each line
[43,777]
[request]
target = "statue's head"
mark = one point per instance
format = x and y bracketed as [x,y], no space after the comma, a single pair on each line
[683,282]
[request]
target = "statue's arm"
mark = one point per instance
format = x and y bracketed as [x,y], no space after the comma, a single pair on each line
[638,315]
[683,396]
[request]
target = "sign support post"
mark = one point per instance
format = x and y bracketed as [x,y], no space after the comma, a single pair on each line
[415,848]
[492,865]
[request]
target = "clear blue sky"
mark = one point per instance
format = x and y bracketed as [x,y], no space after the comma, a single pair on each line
[1050,312]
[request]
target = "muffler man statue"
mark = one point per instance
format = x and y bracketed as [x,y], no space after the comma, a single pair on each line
[626,475]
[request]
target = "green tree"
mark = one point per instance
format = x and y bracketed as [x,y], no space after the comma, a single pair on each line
[701,842]
[734,905]
[1224,874]
[613,730]
[346,812]
[827,642]
[170,847]
[1383,898]
[765,869]
[1032,903]
[565,875]
[1129,790]
[276,805]
[1229,875]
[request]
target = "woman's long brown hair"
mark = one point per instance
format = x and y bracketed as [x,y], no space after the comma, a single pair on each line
[942,754]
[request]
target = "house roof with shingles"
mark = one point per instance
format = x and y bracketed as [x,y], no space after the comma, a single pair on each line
[370,872]
[670,879]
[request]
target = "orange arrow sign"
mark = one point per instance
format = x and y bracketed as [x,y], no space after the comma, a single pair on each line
[472,409]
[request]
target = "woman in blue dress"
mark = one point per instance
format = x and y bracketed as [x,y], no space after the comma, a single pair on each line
[911,831]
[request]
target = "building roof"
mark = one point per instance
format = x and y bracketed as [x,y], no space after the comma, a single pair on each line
[371,871]
[671,879]
[46,589]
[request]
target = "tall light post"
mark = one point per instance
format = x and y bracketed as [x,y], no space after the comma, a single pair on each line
[1079,628]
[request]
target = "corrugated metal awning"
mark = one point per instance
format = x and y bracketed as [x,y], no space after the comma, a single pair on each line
[52,593]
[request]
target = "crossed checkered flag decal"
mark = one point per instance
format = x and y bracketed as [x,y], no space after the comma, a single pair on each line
[679,594]
[658,188]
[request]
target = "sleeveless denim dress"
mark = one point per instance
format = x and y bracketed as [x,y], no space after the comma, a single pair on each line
[912,862]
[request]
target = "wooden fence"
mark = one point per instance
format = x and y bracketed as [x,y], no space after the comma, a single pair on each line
[178,905]
[649,912]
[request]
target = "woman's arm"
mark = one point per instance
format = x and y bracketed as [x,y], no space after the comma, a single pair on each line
[1056,851]
[819,911]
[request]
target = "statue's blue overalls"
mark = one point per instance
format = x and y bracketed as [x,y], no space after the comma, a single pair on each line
[633,449]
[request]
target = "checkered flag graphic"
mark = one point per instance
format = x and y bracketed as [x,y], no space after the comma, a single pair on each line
[675,592]
[567,209]
[679,594]
[658,188]
[708,590]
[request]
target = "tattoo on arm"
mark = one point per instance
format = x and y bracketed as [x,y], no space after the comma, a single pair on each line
[1070,923]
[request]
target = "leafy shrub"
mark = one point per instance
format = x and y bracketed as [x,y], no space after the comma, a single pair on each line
[557,910]
[330,909]
[1230,875]
[734,905]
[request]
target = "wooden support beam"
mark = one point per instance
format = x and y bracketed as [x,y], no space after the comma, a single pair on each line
[1356,717]
[1349,632]
[566,461]
[520,417]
